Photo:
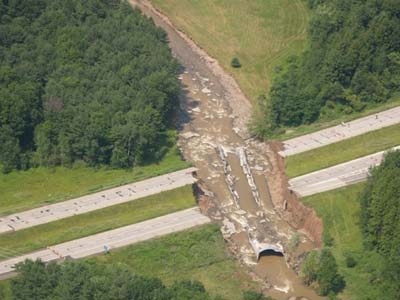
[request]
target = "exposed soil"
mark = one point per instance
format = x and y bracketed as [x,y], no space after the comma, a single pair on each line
[242,184]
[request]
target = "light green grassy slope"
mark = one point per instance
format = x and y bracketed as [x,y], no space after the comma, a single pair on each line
[261,33]
[30,239]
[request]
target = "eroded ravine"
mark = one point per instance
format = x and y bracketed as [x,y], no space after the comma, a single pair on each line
[232,168]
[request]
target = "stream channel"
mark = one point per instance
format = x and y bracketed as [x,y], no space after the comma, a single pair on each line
[213,136]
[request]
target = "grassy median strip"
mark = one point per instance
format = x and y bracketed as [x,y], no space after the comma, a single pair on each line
[24,190]
[260,33]
[339,210]
[340,152]
[30,239]
[196,254]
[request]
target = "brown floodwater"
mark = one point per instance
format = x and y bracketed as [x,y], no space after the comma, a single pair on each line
[208,117]
[246,200]
[285,283]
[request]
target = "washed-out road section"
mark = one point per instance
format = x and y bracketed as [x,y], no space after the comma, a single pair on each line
[338,176]
[96,201]
[102,242]
[341,132]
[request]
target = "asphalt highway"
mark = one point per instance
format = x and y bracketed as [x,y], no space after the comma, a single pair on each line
[337,176]
[96,201]
[341,132]
[109,240]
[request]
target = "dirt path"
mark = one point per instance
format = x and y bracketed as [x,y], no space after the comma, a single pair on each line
[233,168]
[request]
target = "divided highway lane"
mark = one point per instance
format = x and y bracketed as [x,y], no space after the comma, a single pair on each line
[341,132]
[112,239]
[96,201]
[337,176]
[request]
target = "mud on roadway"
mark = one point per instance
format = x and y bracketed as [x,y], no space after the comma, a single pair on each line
[267,228]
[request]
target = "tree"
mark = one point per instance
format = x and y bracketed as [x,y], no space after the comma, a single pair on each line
[380,225]
[88,281]
[310,268]
[329,280]
[90,81]
[351,63]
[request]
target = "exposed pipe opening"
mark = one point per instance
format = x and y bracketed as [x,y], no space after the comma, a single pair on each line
[270,252]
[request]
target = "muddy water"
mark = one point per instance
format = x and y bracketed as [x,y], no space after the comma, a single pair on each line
[246,200]
[208,127]
[284,280]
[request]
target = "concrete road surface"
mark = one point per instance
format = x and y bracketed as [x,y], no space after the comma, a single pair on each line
[112,239]
[341,132]
[337,176]
[96,201]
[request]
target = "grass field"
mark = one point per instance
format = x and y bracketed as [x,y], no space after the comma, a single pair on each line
[5,292]
[346,150]
[23,190]
[30,239]
[197,254]
[261,33]
[340,212]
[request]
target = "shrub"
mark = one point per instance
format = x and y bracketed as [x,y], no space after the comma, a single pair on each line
[235,63]
[350,261]
[251,295]
[327,238]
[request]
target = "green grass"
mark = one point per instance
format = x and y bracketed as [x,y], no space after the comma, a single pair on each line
[261,33]
[5,291]
[340,211]
[196,254]
[340,152]
[293,132]
[30,239]
[24,190]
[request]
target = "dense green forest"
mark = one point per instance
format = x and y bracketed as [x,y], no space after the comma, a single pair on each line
[352,62]
[90,81]
[380,223]
[91,281]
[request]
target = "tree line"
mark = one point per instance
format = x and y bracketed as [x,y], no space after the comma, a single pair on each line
[352,62]
[88,280]
[91,81]
[380,224]
[379,221]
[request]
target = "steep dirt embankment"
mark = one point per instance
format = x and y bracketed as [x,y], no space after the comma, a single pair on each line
[300,216]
